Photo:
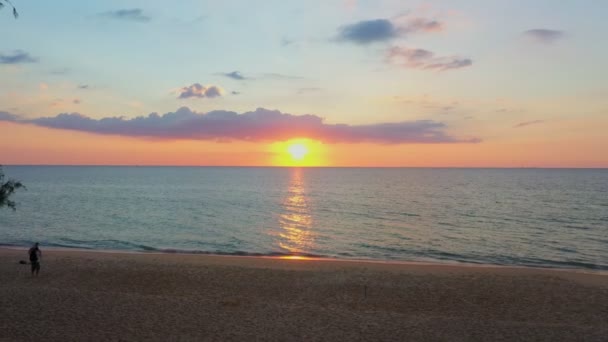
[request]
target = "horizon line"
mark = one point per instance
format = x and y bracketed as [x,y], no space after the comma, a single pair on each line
[323,167]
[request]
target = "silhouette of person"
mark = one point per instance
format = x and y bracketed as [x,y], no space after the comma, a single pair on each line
[35,256]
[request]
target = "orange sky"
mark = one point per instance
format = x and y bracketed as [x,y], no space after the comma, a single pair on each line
[27,144]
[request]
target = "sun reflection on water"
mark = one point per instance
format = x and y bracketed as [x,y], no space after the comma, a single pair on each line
[295,257]
[295,220]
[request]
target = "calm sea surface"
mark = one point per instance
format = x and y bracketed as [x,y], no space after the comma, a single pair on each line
[535,217]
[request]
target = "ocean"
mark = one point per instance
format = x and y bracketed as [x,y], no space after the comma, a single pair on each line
[524,217]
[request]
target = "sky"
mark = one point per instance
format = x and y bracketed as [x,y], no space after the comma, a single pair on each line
[477,83]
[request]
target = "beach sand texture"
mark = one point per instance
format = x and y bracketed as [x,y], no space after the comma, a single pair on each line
[88,296]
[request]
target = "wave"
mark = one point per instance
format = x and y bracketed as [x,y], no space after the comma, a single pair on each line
[100,244]
[406,254]
[150,249]
[419,256]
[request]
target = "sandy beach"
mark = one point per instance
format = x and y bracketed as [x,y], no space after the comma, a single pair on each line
[164,297]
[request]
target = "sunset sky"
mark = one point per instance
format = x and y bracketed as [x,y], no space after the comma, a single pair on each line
[477,83]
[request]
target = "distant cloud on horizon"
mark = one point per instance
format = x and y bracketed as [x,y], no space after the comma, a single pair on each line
[424,59]
[200,91]
[545,36]
[17,57]
[258,126]
[133,14]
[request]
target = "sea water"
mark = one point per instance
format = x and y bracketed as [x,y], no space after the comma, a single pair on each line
[532,217]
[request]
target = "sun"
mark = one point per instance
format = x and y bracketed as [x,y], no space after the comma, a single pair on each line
[297,150]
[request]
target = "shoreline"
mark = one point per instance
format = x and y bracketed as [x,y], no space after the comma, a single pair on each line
[315,258]
[90,295]
[323,167]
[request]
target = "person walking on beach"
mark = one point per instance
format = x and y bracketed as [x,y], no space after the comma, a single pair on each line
[35,256]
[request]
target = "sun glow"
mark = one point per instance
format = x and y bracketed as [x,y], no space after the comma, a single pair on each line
[295,257]
[297,150]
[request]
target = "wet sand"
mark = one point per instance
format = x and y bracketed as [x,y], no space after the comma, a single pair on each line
[166,297]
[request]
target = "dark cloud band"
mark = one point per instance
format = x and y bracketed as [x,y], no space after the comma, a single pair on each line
[259,125]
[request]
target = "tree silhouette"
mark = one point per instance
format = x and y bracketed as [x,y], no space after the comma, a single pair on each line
[7,189]
[4,3]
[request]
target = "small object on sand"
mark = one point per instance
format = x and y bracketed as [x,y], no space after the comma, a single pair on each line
[23,262]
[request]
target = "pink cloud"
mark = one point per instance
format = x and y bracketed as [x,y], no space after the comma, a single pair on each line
[425,60]
[200,91]
[423,25]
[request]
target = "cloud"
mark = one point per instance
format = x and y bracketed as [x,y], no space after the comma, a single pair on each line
[379,30]
[200,91]
[17,57]
[425,60]
[544,36]
[6,116]
[307,90]
[134,14]
[269,76]
[286,42]
[528,123]
[350,4]
[275,76]
[509,110]
[258,126]
[235,75]
[422,25]
[83,86]
[63,71]
[368,31]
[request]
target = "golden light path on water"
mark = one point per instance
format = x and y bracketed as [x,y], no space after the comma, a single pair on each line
[296,235]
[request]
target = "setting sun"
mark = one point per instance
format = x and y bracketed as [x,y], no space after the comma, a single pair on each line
[297,150]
